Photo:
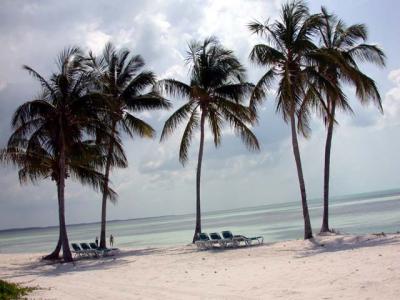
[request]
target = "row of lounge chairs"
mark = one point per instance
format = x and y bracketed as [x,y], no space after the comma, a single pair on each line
[91,250]
[214,240]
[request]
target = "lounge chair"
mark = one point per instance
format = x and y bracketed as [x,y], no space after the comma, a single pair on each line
[103,251]
[237,239]
[89,250]
[77,250]
[203,242]
[222,242]
[93,246]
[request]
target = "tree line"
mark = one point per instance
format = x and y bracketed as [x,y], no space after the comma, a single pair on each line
[73,128]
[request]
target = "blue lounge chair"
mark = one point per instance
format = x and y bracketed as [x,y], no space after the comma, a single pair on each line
[203,242]
[238,239]
[103,251]
[216,239]
[77,251]
[90,251]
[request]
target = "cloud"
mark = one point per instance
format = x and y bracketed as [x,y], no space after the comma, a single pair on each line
[391,102]
[3,85]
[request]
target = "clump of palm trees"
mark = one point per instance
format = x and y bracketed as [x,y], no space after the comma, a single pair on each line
[74,127]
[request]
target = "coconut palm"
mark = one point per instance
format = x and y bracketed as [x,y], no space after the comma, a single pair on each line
[342,48]
[122,82]
[215,94]
[49,133]
[286,58]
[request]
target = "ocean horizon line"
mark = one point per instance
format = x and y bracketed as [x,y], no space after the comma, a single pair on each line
[354,196]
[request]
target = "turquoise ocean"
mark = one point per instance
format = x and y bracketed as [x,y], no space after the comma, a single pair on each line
[356,214]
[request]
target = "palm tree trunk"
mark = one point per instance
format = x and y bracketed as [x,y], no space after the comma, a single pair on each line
[104,200]
[197,229]
[328,145]
[103,243]
[67,256]
[296,152]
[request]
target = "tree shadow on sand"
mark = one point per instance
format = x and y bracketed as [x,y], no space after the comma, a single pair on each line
[347,243]
[45,268]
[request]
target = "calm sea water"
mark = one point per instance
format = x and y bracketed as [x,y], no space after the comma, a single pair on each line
[357,214]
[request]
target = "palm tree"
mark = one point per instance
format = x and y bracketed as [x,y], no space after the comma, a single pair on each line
[286,57]
[341,49]
[49,131]
[124,85]
[215,94]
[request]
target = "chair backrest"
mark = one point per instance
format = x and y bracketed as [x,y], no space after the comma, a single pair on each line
[227,234]
[85,246]
[215,236]
[204,236]
[76,247]
[93,245]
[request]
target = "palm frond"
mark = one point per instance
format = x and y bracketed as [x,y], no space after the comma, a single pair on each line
[150,101]
[215,122]
[178,117]
[261,89]
[235,92]
[368,53]
[138,126]
[187,136]
[173,88]
[240,128]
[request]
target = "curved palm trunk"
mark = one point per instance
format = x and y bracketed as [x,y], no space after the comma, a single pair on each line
[296,152]
[103,243]
[328,144]
[197,229]
[67,256]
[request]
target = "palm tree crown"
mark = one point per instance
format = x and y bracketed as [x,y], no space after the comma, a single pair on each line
[341,49]
[216,92]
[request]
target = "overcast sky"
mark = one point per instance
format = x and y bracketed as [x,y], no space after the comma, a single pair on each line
[366,146]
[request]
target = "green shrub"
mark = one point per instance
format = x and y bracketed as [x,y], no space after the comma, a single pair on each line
[11,291]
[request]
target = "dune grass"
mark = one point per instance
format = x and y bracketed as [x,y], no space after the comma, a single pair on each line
[10,290]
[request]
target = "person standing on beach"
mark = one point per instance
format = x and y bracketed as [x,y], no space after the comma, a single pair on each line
[97,241]
[111,240]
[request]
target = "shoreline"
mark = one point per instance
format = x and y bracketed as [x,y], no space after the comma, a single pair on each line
[327,267]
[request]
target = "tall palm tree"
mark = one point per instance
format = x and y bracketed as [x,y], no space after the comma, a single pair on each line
[215,94]
[121,81]
[49,133]
[286,57]
[341,49]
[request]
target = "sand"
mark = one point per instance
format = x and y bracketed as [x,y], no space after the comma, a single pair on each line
[329,267]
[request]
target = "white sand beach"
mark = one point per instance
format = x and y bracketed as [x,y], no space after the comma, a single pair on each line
[329,267]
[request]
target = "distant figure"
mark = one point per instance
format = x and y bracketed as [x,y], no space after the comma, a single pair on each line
[97,241]
[111,240]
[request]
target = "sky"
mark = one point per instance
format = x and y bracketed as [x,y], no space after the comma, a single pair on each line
[365,150]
